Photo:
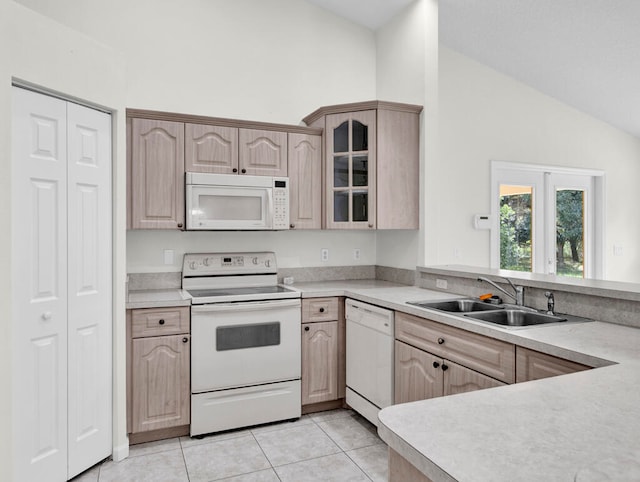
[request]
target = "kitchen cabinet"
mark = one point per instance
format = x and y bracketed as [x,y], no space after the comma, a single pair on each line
[323,351]
[263,152]
[162,146]
[419,375]
[226,149]
[210,148]
[158,368]
[305,181]
[371,159]
[489,356]
[533,365]
[156,194]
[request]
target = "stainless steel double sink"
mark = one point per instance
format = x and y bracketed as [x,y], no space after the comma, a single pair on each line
[504,315]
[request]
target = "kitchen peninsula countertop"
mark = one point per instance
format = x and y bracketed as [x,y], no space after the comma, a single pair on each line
[583,426]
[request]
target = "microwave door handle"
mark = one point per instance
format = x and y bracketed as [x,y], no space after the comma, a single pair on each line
[269,214]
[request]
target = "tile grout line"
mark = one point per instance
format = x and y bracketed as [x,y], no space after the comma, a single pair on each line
[265,455]
[184,460]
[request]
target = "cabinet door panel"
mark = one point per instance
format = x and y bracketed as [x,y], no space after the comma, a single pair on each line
[487,355]
[305,175]
[533,365]
[319,362]
[416,377]
[160,379]
[458,379]
[157,171]
[350,142]
[263,153]
[211,149]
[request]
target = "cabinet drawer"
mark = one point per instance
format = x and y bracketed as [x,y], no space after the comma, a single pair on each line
[494,358]
[159,321]
[319,309]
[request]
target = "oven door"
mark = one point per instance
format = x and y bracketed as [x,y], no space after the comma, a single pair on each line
[244,343]
[229,207]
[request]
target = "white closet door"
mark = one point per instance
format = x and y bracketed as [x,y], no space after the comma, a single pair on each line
[39,283]
[89,287]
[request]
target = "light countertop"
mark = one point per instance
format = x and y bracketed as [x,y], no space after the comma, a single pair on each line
[157,298]
[562,428]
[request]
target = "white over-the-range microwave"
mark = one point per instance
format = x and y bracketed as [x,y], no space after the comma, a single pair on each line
[236,202]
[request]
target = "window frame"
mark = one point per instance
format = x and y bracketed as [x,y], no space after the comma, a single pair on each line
[543,179]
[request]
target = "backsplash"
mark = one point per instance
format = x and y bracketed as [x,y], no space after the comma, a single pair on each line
[599,304]
[173,280]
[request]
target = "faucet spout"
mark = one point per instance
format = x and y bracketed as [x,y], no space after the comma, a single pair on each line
[518,291]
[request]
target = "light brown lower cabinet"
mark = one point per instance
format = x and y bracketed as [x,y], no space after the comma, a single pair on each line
[533,365]
[419,375]
[323,353]
[319,362]
[158,373]
[161,397]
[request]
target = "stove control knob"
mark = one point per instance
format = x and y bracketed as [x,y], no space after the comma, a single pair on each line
[255,260]
[206,261]
[267,263]
[193,265]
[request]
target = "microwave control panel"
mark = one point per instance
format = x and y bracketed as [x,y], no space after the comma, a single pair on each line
[281,203]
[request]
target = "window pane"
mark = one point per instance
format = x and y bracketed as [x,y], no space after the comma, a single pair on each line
[360,170]
[516,232]
[360,205]
[570,232]
[341,137]
[341,206]
[341,171]
[360,136]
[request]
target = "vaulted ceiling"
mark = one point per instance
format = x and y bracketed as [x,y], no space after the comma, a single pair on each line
[585,53]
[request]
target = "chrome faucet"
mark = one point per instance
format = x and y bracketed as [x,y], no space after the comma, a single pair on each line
[551,302]
[518,295]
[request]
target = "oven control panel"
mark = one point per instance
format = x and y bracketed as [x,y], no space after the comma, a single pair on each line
[209,264]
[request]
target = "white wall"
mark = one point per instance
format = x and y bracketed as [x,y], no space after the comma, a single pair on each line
[294,249]
[42,52]
[407,71]
[485,116]
[273,61]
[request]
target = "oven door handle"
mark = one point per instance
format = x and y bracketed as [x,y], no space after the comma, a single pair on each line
[245,306]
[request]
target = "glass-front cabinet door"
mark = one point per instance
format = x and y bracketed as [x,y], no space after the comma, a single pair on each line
[351,170]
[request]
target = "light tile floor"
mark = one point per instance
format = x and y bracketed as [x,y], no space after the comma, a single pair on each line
[338,445]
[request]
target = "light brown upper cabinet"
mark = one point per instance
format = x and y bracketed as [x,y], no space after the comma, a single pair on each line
[305,176]
[371,164]
[161,146]
[263,153]
[211,149]
[233,150]
[156,188]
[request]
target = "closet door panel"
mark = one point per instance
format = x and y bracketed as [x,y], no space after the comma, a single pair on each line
[39,274]
[89,287]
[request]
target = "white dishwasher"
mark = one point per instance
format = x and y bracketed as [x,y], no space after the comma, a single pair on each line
[369,358]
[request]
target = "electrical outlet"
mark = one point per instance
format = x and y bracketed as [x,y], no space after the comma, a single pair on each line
[441,283]
[168,256]
[356,254]
[324,254]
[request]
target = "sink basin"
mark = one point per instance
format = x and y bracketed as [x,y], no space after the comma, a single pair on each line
[515,318]
[457,306]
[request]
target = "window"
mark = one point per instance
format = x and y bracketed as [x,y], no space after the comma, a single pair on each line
[547,220]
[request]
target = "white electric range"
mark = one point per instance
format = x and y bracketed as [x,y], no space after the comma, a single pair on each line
[245,341]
